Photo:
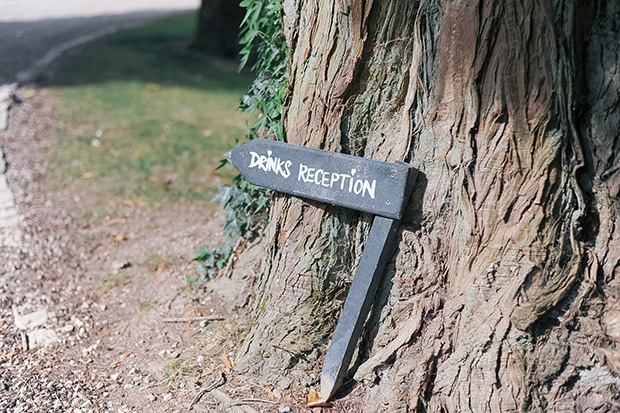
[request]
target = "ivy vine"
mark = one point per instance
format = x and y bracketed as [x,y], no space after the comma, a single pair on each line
[245,205]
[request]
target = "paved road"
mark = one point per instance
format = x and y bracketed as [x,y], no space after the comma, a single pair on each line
[33,31]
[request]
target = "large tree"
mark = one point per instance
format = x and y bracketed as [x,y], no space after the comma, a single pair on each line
[504,290]
[217,30]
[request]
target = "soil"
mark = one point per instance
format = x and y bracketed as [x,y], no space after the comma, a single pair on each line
[95,314]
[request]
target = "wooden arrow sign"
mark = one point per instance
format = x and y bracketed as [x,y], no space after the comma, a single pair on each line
[358,183]
[349,181]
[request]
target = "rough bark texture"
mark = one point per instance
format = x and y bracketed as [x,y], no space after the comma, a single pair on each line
[217,32]
[504,291]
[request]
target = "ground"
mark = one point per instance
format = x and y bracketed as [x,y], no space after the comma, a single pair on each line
[99,310]
[98,317]
[96,313]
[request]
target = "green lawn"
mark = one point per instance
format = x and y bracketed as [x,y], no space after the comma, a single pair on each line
[143,118]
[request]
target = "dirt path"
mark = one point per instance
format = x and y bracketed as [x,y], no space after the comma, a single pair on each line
[94,316]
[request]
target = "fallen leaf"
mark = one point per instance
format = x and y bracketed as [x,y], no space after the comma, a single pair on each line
[87,175]
[314,399]
[227,364]
[113,221]
[95,143]
[29,93]
[134,202]
[153,86]
[207,132]
[120,237]
[7,138]
[269,392]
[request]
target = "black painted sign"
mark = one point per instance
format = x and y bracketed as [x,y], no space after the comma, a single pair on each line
[344,180]
[380,188]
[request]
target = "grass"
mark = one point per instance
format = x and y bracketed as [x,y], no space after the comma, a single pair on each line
[142,118]
[112,280]
[156,262]
[176,369]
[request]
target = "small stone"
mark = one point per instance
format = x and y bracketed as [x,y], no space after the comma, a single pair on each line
[120,264]
[200,359]
[285,383]
[67,328]
[30,320]
[284,409]
[42,337]
[114,376]
[99,386]
[167,396]
[151,397]
[128,386]
[174,354]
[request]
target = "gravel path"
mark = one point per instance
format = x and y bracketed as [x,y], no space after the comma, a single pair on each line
[82,319]
[83,310]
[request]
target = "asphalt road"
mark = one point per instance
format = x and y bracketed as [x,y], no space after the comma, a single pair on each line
[35,32]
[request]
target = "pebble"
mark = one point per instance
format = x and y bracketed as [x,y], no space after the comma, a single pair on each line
[67,328]
[167,396]
[42,337]
[152,397]
[30,320]
[77,322]
[114,376]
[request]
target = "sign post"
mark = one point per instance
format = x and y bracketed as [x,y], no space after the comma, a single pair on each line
[379,188]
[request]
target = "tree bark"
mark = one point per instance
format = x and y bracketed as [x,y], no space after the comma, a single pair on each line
[217,32]
[503,293]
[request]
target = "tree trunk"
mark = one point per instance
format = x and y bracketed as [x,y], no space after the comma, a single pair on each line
[503,292]
[217,32]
